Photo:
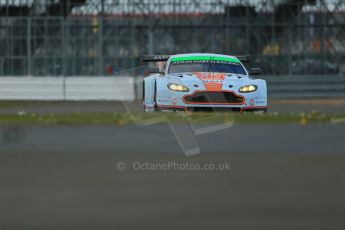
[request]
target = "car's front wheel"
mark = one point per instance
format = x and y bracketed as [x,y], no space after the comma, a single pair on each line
[260,111]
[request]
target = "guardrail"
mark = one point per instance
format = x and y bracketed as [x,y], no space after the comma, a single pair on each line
[125,88]
[304,86]
[71,88]
[298,86]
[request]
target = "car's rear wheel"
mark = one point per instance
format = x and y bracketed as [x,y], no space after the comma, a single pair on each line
[150,109]
[155,98]
[143,99]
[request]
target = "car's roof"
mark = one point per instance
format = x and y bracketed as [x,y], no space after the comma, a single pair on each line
[202,54]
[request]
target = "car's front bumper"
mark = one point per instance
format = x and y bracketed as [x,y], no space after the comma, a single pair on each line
[210,108]
[217,100]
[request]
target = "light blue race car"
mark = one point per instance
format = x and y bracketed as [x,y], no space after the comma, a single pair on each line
[203,82]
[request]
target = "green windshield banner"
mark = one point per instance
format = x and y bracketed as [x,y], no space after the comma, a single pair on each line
[205,58]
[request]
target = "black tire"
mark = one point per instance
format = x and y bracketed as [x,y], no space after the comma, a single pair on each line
[155,98]
[260,110]
[143,99]
[255,111]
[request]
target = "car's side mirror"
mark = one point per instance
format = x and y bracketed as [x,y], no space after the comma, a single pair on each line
[255,71]
[154,70]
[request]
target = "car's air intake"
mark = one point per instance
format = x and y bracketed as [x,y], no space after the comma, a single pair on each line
[206,97]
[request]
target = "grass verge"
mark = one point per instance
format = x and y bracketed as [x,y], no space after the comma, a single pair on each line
[122,118]
[11,104]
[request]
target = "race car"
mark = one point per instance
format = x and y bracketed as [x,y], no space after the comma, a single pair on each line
[203,82]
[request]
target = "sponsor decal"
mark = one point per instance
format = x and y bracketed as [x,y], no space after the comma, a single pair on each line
[174,100]
[214,59]
[212,81]
[163,99]
[161,57]
[260,102]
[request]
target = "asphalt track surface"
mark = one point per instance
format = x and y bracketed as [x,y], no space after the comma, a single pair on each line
[282,176]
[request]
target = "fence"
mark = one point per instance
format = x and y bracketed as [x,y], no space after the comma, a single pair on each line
[97,39]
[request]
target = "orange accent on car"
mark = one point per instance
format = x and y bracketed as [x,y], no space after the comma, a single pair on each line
[212,81]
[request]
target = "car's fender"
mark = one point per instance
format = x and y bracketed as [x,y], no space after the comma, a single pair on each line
[258,98]
[149,91]
[161,84]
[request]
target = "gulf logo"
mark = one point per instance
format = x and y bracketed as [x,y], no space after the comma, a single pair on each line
[212,81]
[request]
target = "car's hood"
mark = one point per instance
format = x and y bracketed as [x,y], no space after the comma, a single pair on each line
[211,81]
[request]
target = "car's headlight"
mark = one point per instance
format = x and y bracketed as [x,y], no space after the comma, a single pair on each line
[178,87]
[248,89]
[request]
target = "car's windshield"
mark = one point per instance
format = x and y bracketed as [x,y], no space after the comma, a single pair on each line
[208,65]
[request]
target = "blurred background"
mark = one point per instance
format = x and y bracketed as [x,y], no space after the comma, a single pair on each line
[101,37]
[69,76]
